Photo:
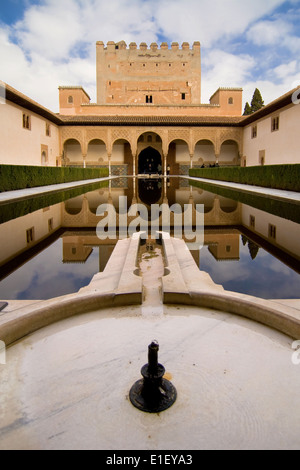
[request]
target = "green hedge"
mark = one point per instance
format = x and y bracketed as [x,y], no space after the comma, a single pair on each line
[285,210]
[271,176]
[19,176]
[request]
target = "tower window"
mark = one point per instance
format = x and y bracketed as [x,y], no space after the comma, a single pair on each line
[275,124]
[48,131]
[26,122]
[149,99]
[70,100]
[183,96]
[254,132]
[230,100]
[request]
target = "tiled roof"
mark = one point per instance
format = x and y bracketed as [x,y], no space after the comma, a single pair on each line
[272,107]
[98,120]
[22,100]
[152,120]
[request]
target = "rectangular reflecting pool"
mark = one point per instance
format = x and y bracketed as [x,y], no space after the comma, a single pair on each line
[49,245]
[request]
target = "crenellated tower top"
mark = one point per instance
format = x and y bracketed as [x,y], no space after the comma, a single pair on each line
[148,74]
[115,46]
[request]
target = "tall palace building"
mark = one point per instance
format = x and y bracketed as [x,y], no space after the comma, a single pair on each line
[148,115]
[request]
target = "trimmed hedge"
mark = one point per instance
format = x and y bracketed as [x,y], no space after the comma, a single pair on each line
[285,210]
[285,177]
[14,177]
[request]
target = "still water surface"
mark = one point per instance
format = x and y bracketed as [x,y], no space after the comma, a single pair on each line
[51,250]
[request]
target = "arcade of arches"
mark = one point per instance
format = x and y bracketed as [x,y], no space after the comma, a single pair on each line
[133,152]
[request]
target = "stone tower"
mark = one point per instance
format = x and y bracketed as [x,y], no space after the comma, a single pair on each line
[148,75]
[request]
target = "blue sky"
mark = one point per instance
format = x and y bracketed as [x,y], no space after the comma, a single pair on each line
[249,44]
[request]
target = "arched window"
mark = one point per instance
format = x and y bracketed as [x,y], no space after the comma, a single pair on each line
[230,100]
[70,100]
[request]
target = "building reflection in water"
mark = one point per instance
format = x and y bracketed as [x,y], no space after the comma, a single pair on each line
[230,227]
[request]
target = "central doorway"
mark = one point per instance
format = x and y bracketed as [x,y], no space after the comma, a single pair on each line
[150,162]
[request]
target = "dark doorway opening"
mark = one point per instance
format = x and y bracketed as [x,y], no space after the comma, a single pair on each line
[150,162]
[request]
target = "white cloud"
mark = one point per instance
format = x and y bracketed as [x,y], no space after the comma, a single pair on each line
[284,71]
[270,90]
[222,69]
[54,44]
[51,29]
[208,20]
[269,32]
[56,28]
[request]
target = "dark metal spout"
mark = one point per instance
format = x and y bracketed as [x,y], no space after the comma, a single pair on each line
[153,356]
[153,393]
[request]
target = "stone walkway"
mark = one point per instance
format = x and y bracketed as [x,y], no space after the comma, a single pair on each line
[280,194]
[20,194]
[12,196]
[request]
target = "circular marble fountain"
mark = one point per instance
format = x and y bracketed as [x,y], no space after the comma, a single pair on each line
[66,386]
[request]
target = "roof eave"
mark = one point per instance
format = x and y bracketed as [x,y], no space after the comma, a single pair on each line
[24,102]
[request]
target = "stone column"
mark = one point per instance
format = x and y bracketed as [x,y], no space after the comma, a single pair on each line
[134,156]
[191,160]
[164,164]
[84,161]
[134,187]
[109,164]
